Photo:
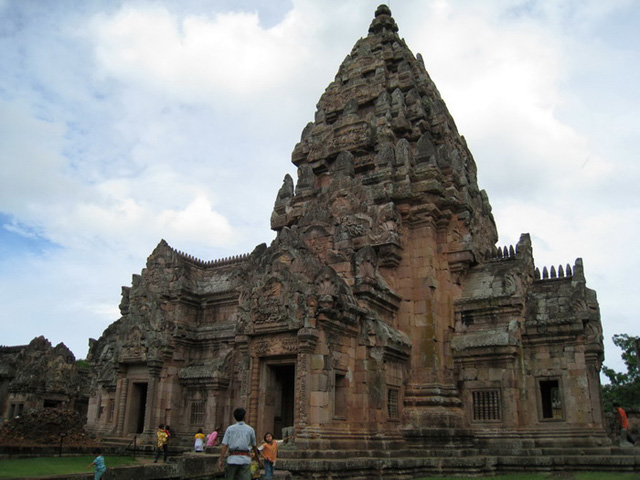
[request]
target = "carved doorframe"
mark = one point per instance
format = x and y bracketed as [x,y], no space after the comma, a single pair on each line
[268,354]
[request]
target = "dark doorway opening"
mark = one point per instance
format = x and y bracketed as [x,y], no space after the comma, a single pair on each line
[277,397]
[138,407]
[285,386]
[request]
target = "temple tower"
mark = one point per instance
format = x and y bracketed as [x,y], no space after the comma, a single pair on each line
[385,181]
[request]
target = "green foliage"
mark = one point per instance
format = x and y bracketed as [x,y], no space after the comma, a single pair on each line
[624,387]
[82,363]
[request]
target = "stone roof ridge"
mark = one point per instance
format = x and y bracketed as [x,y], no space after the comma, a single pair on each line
[12,348]
[522,250]
[233,259]
[503,253]
[187,257]
[567,272]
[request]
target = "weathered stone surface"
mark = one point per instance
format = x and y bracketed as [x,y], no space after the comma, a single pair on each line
[39,375]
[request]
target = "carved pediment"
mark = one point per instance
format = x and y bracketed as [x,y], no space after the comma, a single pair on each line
[274,346]
[214,373]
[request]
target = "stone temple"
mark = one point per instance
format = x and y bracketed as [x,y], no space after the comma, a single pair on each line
[383,328]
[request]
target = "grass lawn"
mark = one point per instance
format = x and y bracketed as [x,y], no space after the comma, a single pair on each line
[37,467]
[553,476]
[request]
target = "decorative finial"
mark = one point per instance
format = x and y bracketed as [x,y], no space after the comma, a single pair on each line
[382,10]
[383,21]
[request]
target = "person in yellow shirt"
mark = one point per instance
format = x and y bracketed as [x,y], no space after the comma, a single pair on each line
[255,467]
[161,443]
[199,441]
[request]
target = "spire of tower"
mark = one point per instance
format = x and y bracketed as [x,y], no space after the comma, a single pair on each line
[384,110]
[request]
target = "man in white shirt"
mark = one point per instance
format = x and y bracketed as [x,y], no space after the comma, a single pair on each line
[239,440]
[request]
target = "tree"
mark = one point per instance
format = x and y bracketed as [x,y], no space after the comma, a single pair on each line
[624,387]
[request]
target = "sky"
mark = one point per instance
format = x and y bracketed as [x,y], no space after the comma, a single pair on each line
[126,122]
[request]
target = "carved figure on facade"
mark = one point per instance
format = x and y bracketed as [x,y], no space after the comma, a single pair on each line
[276,346]
[217,368]
[386,225]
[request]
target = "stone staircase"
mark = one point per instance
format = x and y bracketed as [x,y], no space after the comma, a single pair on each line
[411,464]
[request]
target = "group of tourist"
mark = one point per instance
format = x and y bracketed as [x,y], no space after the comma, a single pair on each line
[245,458]
[209,440]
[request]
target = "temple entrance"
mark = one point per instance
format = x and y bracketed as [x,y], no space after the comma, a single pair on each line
[277,396]
[137,406]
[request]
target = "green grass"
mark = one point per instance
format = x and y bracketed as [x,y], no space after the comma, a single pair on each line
[43,466]
[36,467]
[552,476]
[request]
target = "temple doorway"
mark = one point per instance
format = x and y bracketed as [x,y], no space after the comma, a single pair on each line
[137,406]
[277,396]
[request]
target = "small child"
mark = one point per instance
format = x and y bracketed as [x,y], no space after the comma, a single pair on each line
[99,464]
[269,455]
[199,441]
[255,467]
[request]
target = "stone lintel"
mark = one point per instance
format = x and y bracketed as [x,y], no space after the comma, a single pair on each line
[494,354]
[129,358]
[490,305]
[206,383]
[385,300]
[337,326]
[460,261]
[395,352]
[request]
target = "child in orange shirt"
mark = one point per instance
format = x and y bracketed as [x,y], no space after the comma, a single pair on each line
[269,455]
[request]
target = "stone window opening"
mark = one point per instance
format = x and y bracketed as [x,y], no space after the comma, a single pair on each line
[197,412]
[340,397]
[550,399]
[486,406]
[393,409]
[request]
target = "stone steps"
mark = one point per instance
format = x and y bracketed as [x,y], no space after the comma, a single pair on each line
[285,453]
[412,466]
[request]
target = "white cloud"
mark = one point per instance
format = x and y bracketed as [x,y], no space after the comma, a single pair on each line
[31,159]
[194,59]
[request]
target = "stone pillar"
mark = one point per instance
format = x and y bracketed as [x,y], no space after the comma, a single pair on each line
[150,416]
[594,389]
[307,341]
[242,349]
[122,395]
[211,413]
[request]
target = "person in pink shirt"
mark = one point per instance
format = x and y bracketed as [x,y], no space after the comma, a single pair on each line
[212,437]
